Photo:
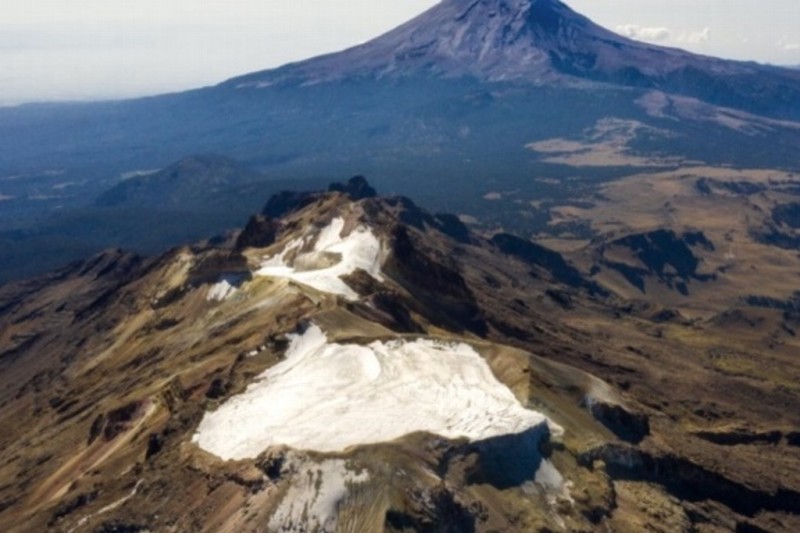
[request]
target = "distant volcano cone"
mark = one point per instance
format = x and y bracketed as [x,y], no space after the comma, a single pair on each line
[533,41]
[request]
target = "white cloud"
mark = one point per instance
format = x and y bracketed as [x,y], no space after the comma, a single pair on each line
[643,33]
[788,46]
[695,37]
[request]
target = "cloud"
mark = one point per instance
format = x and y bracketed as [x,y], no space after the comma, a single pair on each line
[643,33]
[788,46]
[696,37]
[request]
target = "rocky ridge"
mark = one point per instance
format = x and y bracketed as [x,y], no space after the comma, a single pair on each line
[118,360]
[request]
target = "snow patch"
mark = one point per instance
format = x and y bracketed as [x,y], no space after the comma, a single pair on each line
[224,288]
[329,397]
[311,502]
[361,249]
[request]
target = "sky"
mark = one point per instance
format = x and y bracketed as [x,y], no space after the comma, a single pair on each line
[97,49]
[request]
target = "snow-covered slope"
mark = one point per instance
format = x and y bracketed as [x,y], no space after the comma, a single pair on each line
[328,397]
[494,40]
[332,257]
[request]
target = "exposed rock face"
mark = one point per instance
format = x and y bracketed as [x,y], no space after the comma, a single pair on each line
[551,261]
[411,214]
[356,188]
[260,232]
[287,201]
[439,288]
[630,427]
[663,253]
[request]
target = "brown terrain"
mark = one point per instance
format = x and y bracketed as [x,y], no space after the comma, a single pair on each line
[666,347]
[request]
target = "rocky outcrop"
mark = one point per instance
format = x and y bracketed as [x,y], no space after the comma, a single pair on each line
[110,425]
[740,437]
[260,232]
[356,188]
[409,213]
[688,481]
[707,186]
[626,425]
[439,291]
[665,254]
[285,202]
[549,260]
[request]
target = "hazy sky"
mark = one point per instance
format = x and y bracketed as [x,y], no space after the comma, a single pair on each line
[84,49]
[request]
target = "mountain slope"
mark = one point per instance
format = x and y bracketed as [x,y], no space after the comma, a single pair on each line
[545,42]
[186,184]
[522,99]
[127,382]
[458,48]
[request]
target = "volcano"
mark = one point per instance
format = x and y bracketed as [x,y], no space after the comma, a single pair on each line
[542,42]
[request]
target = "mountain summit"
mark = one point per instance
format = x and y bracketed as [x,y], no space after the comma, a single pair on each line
[489,39]
[545,42]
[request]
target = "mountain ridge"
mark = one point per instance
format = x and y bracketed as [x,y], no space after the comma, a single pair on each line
[164,364]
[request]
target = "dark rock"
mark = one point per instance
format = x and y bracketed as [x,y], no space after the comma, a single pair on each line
[119,420]
[412,215]
[452,226]
[154,445]
[260,232]
[790,305]
[665,254]
[217,264]
[70,506]
[561,298]
[440,291]
[273,466]
[551,261]
[689,481]
[356,188]
[285,202]
[388,309]
[217,389]
[787,214]
[703,186]
[120,527]
[740,188]
[736,438]
[627,426]
[667,315]
[773,236]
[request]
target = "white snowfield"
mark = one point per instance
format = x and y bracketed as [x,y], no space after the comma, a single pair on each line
[224,288]
[360,249]
[311,502]
[329,397]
